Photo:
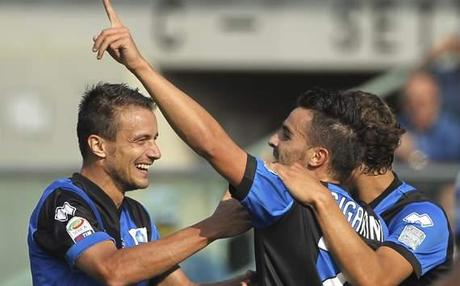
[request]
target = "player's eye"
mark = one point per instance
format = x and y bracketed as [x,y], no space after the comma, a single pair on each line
[141,139]
[285,134]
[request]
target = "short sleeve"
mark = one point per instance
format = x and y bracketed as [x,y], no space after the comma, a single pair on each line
[155,233]
[420,233]
[262,193]
[67,226]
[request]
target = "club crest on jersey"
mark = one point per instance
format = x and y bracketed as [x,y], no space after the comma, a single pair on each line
[139,235]
[412,236]
[78,228]
[62,213]
[423,220]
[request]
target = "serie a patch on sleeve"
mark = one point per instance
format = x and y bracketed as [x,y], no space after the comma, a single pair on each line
[412,236]
[78,228]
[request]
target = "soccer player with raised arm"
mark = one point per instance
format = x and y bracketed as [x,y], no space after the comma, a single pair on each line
[289,245]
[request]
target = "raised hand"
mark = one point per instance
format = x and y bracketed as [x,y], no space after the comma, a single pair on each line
[451,44]
[117,41]
[113,17]
[300,183]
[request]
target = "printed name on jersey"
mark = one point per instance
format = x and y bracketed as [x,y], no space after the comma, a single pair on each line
[139,235]
[368,226]
[62,213]
[423,220]
[78,228]
[412,236]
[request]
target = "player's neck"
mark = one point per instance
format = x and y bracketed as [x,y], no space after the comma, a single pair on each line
[370,187]
[324,176]
[104,182]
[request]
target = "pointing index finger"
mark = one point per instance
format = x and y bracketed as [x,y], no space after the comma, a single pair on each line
[113,17]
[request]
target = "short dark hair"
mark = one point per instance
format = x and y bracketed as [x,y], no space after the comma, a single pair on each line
[98,111]
[378,129]
[331,128]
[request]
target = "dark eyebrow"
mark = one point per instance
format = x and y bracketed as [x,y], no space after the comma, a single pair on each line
[286,128]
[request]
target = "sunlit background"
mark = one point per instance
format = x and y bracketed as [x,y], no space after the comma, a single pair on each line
[245,61]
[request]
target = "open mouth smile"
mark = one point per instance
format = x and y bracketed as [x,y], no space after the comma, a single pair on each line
[143,167]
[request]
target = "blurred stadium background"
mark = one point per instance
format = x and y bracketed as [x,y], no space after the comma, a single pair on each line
[244,60]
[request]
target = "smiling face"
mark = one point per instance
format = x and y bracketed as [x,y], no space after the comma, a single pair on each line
[134,149]
[289,143]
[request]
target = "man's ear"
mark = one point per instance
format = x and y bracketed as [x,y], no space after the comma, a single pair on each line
[97,146]
[317,156]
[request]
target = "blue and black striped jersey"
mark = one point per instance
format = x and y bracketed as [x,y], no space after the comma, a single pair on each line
[418,229]
[289,246]
[72,215]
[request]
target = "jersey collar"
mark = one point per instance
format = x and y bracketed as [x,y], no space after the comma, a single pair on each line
[95,192]
[393,186]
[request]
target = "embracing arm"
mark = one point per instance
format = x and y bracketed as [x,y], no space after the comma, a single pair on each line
[114,266]
[190,120]
[360,264]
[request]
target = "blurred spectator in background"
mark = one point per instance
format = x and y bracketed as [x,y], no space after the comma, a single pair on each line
[432,133]
[431,107]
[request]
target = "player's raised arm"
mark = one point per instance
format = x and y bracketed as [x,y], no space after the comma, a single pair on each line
[190,120]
